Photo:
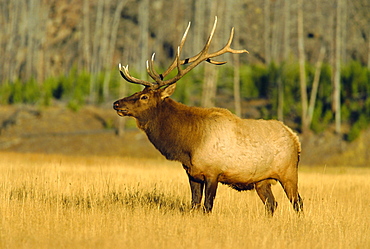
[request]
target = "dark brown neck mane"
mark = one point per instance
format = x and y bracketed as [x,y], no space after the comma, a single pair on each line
[173,127]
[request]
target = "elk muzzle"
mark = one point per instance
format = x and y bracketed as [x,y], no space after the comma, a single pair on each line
[121,111]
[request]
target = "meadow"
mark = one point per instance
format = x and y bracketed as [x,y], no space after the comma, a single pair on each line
[54,201]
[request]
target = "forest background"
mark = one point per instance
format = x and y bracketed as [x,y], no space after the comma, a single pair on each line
[309,61]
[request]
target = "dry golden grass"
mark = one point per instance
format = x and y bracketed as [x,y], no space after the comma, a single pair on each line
[91,202]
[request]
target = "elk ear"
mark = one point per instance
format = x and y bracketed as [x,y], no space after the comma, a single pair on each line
[168,91]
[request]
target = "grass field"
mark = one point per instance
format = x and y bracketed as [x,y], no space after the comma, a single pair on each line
[50,201]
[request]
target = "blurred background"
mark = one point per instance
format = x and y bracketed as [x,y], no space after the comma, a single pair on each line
[309,66]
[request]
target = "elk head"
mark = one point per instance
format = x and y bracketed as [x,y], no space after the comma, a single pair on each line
[155,92]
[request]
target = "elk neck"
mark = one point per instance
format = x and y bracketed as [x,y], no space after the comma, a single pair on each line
[174,129]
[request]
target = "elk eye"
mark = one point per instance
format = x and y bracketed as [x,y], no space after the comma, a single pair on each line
[142,97]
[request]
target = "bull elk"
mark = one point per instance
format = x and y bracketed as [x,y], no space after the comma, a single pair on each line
[213,144]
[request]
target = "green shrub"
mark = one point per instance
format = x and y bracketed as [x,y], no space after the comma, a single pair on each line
[5,93]
[16,96]
[355,80]
[248,87]
[356,128]
[31,92]
[290,81]
[260,78]
[74,105]
[48,90]
[321,118]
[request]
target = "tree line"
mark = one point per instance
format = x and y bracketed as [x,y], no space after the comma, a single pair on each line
[69,50]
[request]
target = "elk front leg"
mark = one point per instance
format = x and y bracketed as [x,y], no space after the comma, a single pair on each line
[196,192]
[210,193]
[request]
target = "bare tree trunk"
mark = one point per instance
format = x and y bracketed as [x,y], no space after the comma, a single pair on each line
[368,49]
[315,84]
[277,30]
[267,31]
[144,35]
[286,29]
[282,28]
[302,70]
[11,29]
[343,28]
[21,36]
[228,21]
[318,67]
[209,86]
[336,78]
[198,26]
[112,42]
[236,60]
[86,35]
[104,46]
[210,74]
[237,99]
[95,62]
[28,24]
[280,109]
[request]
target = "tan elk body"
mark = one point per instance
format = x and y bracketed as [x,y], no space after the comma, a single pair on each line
[213,144]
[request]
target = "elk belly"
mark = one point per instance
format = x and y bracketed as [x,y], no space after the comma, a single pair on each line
[246,168]
[234,162]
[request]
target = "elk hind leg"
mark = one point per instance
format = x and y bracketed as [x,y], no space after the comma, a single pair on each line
[291,190]
[263,189]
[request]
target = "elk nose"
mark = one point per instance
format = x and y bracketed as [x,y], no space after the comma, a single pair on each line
[115,105]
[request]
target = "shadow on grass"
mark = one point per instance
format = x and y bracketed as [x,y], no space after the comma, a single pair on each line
[128,199]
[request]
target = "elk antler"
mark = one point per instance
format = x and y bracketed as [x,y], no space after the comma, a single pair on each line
[177,62]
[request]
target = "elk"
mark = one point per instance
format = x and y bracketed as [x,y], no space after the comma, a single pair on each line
[213,144]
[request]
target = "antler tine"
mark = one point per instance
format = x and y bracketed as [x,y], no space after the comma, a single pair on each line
[185,35]
[174,62]
[151,71]
[126,75]
[178,60]
[228,44]
[227,48]
[210,37]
